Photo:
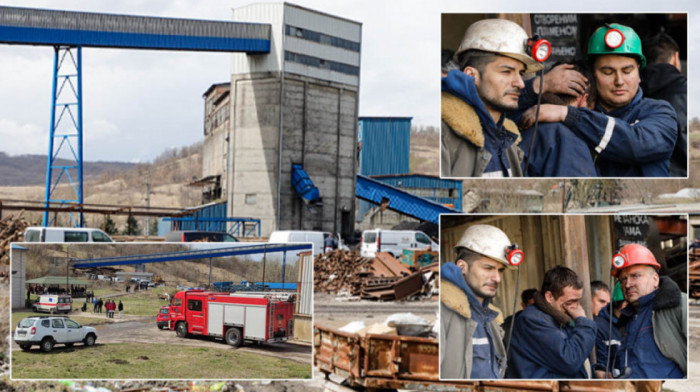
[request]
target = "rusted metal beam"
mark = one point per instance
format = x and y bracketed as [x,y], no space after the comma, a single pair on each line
[410,285]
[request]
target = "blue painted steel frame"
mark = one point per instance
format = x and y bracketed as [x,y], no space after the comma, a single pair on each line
[189,255]
[109,39]
[400,201]
[61,53]
[211,224]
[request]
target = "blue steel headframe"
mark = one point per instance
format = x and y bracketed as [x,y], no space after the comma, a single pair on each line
[66,109]
[400,201]
[67,30]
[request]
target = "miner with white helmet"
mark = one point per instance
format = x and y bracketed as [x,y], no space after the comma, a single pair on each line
[471,339]
[476,138]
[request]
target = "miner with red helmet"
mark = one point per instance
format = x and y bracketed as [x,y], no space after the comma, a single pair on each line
[654,325]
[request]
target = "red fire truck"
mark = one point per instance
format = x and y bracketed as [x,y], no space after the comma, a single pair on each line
[234,317]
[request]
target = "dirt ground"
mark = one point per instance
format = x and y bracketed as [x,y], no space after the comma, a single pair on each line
[336,312]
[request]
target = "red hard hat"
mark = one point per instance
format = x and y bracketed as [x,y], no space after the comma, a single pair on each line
[633,254]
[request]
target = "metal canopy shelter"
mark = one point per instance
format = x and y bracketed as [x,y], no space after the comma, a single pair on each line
[68,32]
[400,201]
[196,254]
[189,255]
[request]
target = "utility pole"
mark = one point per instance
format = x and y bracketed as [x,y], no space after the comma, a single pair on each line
[147,219]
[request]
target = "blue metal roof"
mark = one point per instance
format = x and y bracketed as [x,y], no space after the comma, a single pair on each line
[400,201]
[188,255]
[52,27]
[386,144]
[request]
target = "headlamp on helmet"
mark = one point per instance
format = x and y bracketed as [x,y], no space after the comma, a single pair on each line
[614,38]
[633,254]
[540,49]
[514,255]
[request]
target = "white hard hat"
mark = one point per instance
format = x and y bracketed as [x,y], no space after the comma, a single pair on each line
[499,36]
[486,240]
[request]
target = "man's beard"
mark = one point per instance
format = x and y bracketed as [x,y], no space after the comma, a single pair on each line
[494,104]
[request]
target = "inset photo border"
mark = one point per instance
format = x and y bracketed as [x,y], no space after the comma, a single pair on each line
[574,95]
[154,310]
[529,296]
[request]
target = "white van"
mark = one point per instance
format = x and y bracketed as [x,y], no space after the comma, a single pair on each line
[53,303]
[65,234]
[297,236]
[394,242]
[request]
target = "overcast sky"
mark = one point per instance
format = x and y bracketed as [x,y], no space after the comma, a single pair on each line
[137,103]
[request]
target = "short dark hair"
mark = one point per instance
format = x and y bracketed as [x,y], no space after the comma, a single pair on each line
[660,48]
[566,99]
[598,285]
[557,278]
[476,59]
[527,295]
[467,255]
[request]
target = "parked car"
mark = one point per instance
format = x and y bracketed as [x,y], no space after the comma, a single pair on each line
[163,319]
[65,234]
[53,303]
[199,236]
[394,242]
[47,331]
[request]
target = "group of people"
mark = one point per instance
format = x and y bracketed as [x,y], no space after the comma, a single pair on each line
[110,306]
[552,337]
[594,120]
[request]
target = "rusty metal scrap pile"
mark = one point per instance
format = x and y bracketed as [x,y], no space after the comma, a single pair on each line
[383,277]
[694,274]
[11,230]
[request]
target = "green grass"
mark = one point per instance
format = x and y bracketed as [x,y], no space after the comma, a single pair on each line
[103,292]
[145,303]
[152,361]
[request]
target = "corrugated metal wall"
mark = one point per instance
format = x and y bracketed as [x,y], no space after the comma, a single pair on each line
[19,276]
[212,211]
[386,144]
[305,285]
[26,25]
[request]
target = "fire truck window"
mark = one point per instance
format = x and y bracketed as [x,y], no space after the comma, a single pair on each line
[177,302]
[195,305]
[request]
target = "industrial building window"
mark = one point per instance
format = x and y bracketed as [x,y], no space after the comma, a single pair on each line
[321,63]
[321,38]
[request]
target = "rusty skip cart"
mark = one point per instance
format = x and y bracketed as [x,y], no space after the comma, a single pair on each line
[404,362]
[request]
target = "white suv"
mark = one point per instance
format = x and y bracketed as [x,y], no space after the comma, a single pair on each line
[46,331]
